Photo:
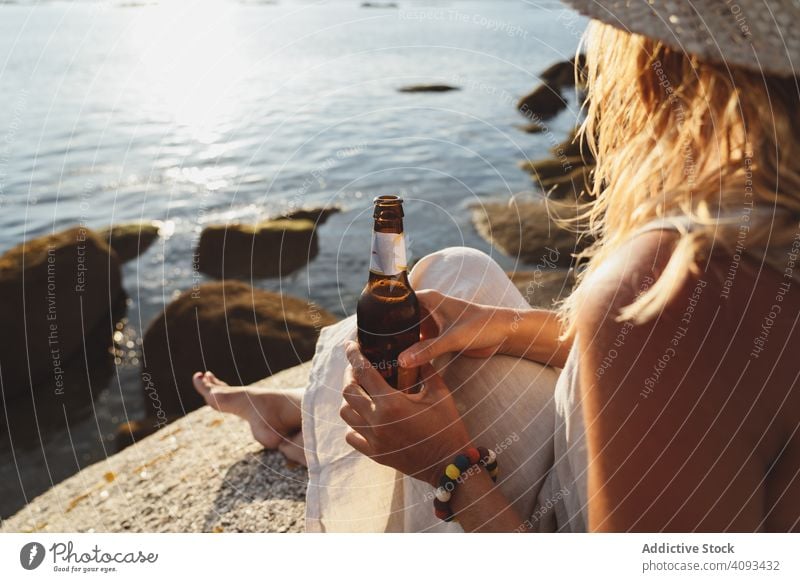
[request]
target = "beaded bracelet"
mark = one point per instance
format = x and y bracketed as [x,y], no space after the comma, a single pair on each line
[452,472]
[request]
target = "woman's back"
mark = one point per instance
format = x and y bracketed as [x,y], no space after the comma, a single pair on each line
[691,418]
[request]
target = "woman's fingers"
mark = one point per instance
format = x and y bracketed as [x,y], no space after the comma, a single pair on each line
[426,350]
[356,397]
[354,419]
[364,372]
[358,442]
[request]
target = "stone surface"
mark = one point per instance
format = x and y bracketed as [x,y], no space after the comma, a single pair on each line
[318,215]
[526,230]
[239,332]
[544,286]
[269,249]
[561,75]
[61,294]
[129,240]
[542,103]
[203,473]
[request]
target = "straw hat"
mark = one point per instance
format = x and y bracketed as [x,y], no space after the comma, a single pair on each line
[762,35]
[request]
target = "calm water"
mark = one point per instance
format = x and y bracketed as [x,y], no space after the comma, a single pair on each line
[195,113]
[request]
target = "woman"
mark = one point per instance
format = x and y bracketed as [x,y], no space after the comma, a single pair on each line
[677,406]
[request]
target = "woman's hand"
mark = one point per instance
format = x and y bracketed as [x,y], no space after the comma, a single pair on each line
[417,434]
[454,325]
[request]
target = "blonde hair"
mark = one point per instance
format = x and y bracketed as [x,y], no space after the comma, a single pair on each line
[673,135]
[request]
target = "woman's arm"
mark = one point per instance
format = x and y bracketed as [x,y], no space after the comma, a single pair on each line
[452,325]
[534,335]
[480,506]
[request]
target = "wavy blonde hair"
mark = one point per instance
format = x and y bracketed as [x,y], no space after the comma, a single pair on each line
[673,135]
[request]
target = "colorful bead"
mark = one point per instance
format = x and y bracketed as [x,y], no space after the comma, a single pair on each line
[447,483]
[462,462]
[443,515]
[487,458]
[452,471]
[442,510]
[443,494]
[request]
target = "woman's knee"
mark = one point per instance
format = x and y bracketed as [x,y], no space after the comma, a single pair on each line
[454,260]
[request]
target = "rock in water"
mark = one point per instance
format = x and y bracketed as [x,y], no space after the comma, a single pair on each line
[542,103]
[545,285]
[129,240]
[59,293]
[427,89]
[269,249]
[241,333]
[527,231]
[562,75]
[318,215]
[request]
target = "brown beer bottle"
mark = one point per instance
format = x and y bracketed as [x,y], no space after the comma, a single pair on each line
[388,310]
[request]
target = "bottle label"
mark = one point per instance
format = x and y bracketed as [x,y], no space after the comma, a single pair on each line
[388,253]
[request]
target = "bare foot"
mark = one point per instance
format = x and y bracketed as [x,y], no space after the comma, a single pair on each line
[274,415]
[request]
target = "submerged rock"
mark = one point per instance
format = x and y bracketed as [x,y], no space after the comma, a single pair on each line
[269,249]
[61,295]
[527,231]
[240,333]
[427,89]
[131,239]
[318,215]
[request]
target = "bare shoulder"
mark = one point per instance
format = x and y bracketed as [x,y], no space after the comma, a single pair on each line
[699,385]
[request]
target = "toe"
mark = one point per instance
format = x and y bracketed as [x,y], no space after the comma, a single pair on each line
[212,379]
[198,381]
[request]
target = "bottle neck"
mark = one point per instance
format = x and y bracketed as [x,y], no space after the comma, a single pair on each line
[388,256]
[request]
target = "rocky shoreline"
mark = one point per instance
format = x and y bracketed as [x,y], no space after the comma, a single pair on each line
[202,471]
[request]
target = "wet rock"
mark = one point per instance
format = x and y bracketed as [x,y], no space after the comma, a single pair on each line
[542,103]
[568,174]
[318,215]
[61,295]
[528,231]
[240,333]
[562,75]
[129,240]
[564,178]
[427,89]
[272,248]
[544,285]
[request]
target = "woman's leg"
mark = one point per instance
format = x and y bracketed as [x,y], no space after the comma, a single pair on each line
[506,403]
[273,414]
